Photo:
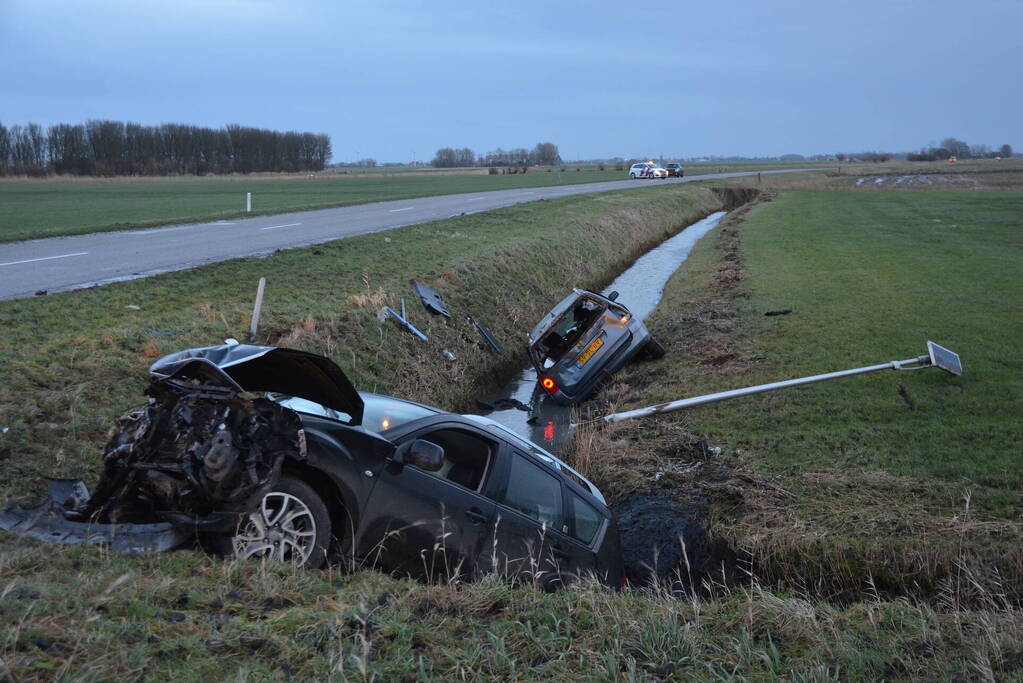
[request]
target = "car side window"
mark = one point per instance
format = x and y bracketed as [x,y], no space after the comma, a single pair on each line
[587,520]
[535,493]
[467,457]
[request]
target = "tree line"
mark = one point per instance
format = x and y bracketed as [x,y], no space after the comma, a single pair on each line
[952,147]
[543,154]
[108,148]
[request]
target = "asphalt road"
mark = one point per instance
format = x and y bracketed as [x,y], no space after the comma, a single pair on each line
[62,263]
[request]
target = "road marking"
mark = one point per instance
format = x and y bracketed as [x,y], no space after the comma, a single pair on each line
[286,225]
[528,193]
[476,199]
[407,208]
[44,258]
[223,223]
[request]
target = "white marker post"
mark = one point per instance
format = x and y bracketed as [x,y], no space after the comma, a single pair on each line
[248,202]
[256,309]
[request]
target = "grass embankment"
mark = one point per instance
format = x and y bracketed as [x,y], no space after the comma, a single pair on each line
[897,482]
[74,614]
[77,612]
[74,361]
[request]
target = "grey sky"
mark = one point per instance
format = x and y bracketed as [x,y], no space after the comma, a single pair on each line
[391,80]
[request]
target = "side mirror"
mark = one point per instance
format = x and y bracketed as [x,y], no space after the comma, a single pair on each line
[613,296]
[425,455]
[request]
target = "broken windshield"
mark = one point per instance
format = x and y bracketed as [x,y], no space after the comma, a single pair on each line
[568,329]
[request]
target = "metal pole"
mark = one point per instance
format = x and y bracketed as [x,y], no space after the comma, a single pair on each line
[760,388]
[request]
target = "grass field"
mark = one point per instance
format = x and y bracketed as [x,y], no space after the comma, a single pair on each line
[32,209]
[866,527]
[892,477]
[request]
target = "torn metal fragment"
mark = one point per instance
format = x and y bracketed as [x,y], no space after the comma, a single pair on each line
[408,326]
[431,298]
[487,335]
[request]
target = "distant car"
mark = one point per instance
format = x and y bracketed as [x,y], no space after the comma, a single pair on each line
[647,170]
[675,170]
[584,340]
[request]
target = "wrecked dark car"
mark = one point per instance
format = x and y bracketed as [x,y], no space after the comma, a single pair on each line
[584,340]
[266,452]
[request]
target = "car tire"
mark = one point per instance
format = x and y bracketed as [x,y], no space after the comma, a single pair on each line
[653,349]
[291,524]
[632,176]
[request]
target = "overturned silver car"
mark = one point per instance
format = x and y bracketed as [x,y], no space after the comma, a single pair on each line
[582,341]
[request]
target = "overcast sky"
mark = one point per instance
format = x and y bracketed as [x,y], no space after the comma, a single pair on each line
[397,80]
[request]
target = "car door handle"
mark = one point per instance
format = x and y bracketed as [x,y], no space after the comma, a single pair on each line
[476,515]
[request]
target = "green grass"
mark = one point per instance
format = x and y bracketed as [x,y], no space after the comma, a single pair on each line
[870,279]
[50,208]
[72,362]
[187,617]
[54,207]
[834,483]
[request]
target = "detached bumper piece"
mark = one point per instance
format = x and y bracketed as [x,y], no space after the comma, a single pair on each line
[46,522]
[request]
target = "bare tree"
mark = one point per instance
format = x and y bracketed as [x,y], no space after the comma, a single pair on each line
[545,154]
[446,157]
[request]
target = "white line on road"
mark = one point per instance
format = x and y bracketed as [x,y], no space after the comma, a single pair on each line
[44,258]
[286,225]
[476,199]
[407,208]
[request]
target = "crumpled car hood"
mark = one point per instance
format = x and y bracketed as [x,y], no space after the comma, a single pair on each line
[269,368]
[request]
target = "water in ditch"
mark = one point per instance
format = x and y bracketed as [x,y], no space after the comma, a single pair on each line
[640,288]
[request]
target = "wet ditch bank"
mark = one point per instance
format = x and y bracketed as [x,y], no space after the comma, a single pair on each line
[664,536]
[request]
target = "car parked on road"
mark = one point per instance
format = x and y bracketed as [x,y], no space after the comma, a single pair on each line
[675,170]
[306,469]
[582,341]
[647,170]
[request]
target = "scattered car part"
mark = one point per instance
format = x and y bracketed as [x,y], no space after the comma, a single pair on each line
[487,335]
[431,298]
[582,341]
[448,355]
[937,356]
[408,326]
[784,311]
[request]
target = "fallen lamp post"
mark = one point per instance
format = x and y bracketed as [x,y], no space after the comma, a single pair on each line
[937,356]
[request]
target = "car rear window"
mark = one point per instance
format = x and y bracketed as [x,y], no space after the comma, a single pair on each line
[587,520]
[534,493]
[567,331]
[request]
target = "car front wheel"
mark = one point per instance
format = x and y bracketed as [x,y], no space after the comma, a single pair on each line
[290,525]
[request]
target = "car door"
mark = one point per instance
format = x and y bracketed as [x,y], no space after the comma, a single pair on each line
[431,525]
[529,538]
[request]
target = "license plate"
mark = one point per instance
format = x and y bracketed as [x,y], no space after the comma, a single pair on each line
[586,355]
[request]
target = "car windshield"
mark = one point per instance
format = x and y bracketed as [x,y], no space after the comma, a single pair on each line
[569,328]
[379,414]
